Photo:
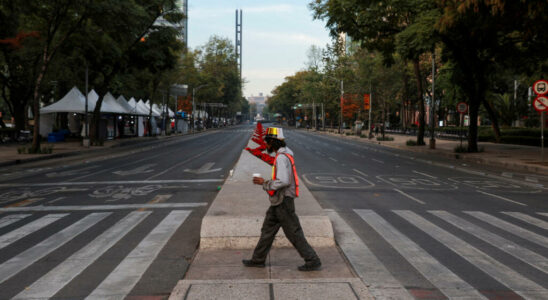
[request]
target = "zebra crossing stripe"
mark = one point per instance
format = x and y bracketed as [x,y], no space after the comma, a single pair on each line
[49,284]
[372,272]
[126,275]
[446,281]
[523,254]
[513,229]
[16,264]
[527,218]
[543,214]
[105,207]
[7,220]
[23,231]
[513,280]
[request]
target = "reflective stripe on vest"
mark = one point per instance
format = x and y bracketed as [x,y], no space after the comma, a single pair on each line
[272,192]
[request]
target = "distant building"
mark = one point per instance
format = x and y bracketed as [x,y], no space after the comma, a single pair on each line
[260,101]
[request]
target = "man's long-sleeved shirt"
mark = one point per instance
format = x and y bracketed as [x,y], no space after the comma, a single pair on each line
[284,184]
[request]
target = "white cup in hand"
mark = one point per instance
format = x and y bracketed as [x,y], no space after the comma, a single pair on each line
[256,175]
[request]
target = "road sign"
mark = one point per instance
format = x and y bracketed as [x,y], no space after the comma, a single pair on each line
[541,104]
[462,107]
[540,87]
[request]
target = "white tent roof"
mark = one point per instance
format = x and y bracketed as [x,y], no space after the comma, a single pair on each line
[157,109]
[123,103]
[110,105]
[74,101]
[146,108]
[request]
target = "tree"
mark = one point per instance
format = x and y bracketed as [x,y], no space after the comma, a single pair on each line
[376,25]
[37,30]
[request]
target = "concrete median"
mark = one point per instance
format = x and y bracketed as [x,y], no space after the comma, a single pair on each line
[234,219]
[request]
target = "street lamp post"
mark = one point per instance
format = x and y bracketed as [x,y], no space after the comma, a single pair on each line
[432,103]
[342,97]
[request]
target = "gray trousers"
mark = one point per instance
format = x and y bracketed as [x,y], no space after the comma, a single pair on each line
[283,215]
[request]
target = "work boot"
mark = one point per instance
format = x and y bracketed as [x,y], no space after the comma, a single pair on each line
[251,263]
[310,266]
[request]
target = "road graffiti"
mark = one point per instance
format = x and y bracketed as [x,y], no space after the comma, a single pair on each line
[416,183]
[337,180]
[119,192]
[20,194]
[493,184]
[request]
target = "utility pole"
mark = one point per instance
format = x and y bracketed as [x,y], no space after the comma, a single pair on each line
[342,97]
[432,103]
[85,142]
[370,108]
[238,42]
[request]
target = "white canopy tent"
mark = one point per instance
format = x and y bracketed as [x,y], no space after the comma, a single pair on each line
[110,105]
[124,104]
[74,101]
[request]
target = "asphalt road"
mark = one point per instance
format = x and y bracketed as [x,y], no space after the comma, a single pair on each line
[126,223]
[428,227]
[123,223]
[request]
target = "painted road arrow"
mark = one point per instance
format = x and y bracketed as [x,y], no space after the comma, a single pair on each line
[206,168]
[140,170]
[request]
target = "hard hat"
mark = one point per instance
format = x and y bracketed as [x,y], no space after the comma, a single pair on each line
[275,133]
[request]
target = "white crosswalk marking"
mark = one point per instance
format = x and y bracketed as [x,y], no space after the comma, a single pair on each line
[120,282]
[527,218]
[506,226]
[379,280]
[57,278]
[446,281]
[523,254]
[23,231]
[7,220]
[519,284]
[16,264]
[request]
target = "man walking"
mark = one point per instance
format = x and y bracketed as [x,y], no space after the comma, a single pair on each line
[282,189]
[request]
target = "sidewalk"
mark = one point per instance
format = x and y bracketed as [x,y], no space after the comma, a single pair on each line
[525,159]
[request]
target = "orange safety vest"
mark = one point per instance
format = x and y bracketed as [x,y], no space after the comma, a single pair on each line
[272,192]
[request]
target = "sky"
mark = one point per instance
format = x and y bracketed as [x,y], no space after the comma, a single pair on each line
[275,39]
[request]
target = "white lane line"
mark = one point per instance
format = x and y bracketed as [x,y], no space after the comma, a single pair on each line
[501,198]
[379,161]
[424,174]
[507,174]
[7,220]
[528,219]
[523,254]
[49,284]
[110,182]
[372,272]
[333,159]
[104,207]
[122,280]
[543,214]
[360,172]
[513,280]
[56,199]
[410,197]
[440,276]
[355,154]
[531,179]
[29,228]
[16,264]
[509,227]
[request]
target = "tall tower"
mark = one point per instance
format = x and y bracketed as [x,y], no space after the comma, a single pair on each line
[238,41]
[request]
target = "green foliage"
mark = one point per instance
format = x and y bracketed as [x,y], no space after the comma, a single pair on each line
[411,143]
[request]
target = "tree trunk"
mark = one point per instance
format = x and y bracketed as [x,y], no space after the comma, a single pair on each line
[36,102]
[494,119]
[420,135]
